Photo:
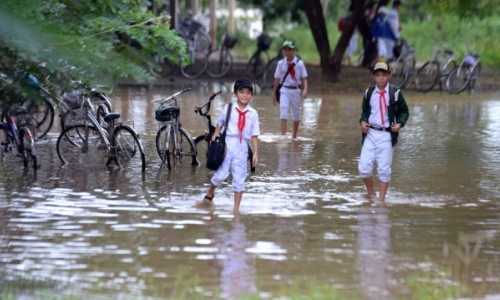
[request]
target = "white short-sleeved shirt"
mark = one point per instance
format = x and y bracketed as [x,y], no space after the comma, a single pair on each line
[300,72]
[375,116]
[252,127]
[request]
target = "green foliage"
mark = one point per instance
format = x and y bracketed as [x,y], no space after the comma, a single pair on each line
[95,41]
[450,29]
[435,283]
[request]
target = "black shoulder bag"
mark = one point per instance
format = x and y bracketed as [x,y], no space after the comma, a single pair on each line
[217,150]
[278,93]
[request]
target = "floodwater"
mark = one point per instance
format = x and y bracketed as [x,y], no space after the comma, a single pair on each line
[118,234]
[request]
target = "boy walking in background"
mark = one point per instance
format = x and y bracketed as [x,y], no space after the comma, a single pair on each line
[384,113]
[243,125]
[294,87]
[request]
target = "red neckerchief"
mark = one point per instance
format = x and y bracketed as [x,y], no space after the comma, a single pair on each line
[241,122]
[292,70]
[382,106]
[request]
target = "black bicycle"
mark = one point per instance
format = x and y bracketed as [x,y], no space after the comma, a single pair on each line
[203,142]
[259,59]
[220,61]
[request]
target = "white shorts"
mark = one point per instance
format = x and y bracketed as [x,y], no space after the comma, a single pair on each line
[290,100]
[377,147]
[235,163]
[388,45]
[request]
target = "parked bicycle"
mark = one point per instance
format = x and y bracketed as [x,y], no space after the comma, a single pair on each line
[198,47]
[220,61]
[436,70]
[466,75]
[40,109]
[270,68]
[91,143]
[173,142]
[259,59]
[17,138]
[204,141]
[402,68]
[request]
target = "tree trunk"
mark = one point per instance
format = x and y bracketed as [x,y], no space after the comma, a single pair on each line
[174,4]
[335,63]
[213,23]
[314,12]
[230,20]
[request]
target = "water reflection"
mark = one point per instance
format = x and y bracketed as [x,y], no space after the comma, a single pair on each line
[140,234]
[374,246]
[237,266]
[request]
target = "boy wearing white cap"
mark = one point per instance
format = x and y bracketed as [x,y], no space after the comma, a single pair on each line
[384,113]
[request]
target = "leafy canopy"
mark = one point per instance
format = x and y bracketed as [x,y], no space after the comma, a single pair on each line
[94,41]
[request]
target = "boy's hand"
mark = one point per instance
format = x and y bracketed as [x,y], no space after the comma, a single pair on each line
[395,127]
[255,160]
[364,127]
[275,101]
[304,94]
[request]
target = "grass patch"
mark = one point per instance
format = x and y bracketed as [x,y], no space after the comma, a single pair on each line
[448,28]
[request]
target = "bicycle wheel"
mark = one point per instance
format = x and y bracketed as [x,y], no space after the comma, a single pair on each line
[220,63]
[129,150]
[427,76]
[196,67]
[445,71]
[27,148]
[458,79]
[202,143]
[257,63]
[268,73]
[399,71]
[203,42]
[81,145]
[168,152]
[42,116]
[161,142]
[474,78]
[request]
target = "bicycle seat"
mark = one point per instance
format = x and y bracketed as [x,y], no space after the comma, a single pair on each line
[448,52]
[18,110]
[111,116]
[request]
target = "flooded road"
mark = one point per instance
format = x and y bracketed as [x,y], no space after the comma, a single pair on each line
[305,227]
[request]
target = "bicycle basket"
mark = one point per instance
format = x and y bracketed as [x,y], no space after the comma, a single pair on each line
[264,42]
[73,99]
[229,41]
[167,113]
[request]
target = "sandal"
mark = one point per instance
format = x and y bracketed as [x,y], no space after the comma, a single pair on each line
[208,198]
[207,201]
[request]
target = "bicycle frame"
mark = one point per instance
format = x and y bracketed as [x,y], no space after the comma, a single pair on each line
[13,141]
[170,125]
[79,137]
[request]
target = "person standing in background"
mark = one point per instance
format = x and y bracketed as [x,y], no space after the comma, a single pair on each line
[294,87]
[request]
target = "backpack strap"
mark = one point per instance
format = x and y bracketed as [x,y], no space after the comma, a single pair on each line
[228,116]
[369,92]
[289,69]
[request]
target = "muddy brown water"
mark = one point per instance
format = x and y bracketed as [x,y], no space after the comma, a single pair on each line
[127,235]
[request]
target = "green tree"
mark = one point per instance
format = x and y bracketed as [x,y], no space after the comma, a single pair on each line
[96,41]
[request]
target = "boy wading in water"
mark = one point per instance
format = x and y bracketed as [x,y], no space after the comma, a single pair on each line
[294,87]
[243,125]
[384,113]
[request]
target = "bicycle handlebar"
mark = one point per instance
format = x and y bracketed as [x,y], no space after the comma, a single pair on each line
[198,108]
[163,100]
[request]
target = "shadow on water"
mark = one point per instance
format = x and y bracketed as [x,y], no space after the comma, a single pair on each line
[303,218]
